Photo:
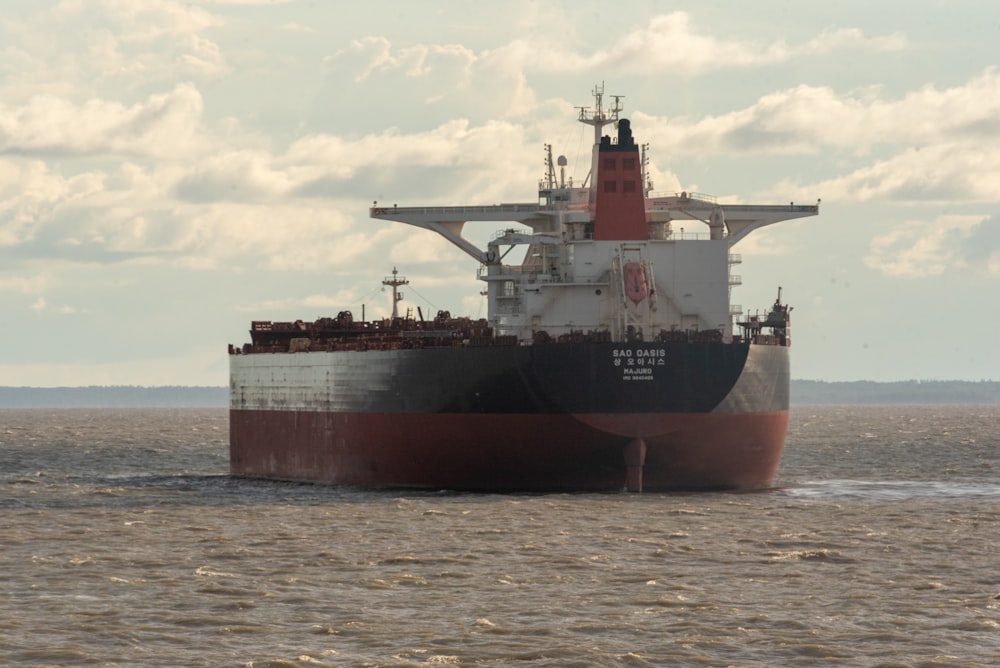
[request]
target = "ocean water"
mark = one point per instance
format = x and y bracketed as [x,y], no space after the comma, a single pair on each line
[125,543]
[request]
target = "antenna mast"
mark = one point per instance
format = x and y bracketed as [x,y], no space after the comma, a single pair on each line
[551,170]
[598,116]
[395,281]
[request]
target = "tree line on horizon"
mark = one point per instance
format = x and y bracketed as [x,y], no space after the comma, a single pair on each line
[802,392]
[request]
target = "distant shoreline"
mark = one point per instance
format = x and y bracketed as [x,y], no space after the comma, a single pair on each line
[114,396]
[861,392]
[804,392]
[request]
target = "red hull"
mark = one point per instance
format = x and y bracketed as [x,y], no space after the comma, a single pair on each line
[508,452]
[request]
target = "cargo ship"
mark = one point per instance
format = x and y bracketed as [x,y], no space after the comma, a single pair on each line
[611,357]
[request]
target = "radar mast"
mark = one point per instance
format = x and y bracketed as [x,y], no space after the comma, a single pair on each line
[599,116]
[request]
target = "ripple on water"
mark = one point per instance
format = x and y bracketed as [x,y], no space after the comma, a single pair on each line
[128,532]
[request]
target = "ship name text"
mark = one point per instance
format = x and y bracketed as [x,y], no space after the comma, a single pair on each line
[639,363]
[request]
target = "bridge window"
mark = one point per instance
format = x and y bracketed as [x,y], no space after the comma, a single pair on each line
[628,186]
[628,164]
[610,187]
[609,164]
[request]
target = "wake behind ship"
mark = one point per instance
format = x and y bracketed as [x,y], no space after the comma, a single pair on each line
[611,357]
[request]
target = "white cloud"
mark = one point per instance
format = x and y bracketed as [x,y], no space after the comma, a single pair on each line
[241,203]
[165,125]
[240,175]
[956,170]
[372,55]
[41,305]
[766,242]
[930,145]
[32,195]
[852,38]
[668,42]
[919,249]
[298,27]
[665,43]
[74,49]
[454,159]
[209,207]
[807,119]
[145,20]
[24,284]
[247,3]
[61,310]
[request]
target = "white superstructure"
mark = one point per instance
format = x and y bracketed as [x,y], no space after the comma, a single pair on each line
[608,258]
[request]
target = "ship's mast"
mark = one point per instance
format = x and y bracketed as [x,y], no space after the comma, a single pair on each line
[395,281]
[550,170]
[598,116]
[647,183]
[550,167]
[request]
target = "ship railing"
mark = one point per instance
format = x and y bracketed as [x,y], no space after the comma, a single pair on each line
[486,271]
[781,208]
[444,340]
[268,326]
[700,197]
[688,235]
[455,212]
[524,231]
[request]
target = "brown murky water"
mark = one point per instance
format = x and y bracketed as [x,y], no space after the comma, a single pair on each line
[125,543]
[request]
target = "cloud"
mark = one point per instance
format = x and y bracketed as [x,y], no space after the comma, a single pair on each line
[929,145]
[32,195]
[24,284]
[920,249]
[40,306]
[806,119]
[376,54]
[981,248]
[455,159]
[164,125]
[954,171]
[144,20]
[247,3]
[671,43]
[79,47]
[181,199]
[666,43]
[241,175]
[852,38]
[297,27]
[202,208]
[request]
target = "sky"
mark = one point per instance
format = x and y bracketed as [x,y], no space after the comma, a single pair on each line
[170,171]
